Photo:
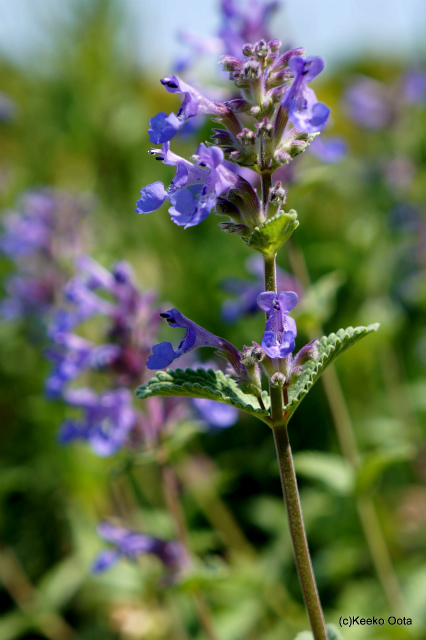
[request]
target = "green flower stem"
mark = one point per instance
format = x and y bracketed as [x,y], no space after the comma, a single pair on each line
[345,433]
[291,493]
[297,531]
[270,274]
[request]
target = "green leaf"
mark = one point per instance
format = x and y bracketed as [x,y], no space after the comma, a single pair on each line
[332,634]
[202,383]
[330,469]
[374,464]
[272,234]
[329,347]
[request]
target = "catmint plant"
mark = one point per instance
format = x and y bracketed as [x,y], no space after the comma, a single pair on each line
[273,117]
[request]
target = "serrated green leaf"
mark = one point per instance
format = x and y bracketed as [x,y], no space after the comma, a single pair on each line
[329,347]
[376,463]
[272,234]
[329,469]
[202,383]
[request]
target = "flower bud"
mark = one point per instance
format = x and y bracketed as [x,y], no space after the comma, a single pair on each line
[230,64]
[278,380]
[238,105]
[297,142]
[265,128]
[252,70]
[274,45]
[277,194]
[282,157]
[248,50]
[261,49]
[247,137]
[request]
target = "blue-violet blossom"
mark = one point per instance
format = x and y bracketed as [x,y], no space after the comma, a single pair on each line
[304,110]
[194,190]
[163,126]
[280,331]
[164,354]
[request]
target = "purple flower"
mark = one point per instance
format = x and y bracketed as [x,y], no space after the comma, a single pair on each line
[130,545]
[194,190]
[215,413]
[280,331]
[71,356]
[329,150]
[414,86]
[200,44]
[8,108]
[39,238]
[108,418]
[164,127]
[304,110]
[367,103]
[164,354]
[246,292]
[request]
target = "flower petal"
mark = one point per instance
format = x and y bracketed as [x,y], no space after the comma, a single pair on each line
[152,197]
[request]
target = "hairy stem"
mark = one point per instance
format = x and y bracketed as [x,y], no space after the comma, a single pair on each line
[345,433]
[298,533]
[291,493]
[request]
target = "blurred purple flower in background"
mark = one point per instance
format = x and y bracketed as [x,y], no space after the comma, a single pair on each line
[329,150]
[108,419]
[130,545]
[41,238]
[245,23]
[367,103]
[414,86]
[8,108]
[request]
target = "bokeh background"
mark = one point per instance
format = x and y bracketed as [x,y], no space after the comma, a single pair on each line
[79,82]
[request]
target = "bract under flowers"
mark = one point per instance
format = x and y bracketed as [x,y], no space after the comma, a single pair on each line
[280,331]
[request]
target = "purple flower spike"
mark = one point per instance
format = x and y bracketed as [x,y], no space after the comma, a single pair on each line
[107,421]
[304,110]
[280,331]
[130,545]
[164,354]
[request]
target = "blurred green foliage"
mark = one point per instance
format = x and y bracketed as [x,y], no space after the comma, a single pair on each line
[83,108]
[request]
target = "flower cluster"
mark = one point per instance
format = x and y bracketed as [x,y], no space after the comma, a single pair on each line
[109,419]
[41,239]
[287,117]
